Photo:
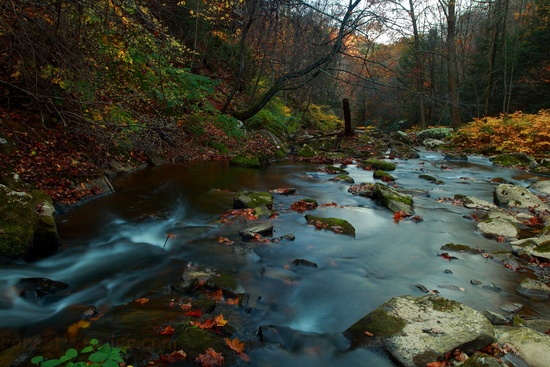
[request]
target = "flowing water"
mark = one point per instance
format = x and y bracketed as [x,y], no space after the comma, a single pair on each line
[113,252]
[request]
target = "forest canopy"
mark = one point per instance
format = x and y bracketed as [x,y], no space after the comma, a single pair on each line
[148,70]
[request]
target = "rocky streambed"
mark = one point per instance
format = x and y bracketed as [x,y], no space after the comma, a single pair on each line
[302,264]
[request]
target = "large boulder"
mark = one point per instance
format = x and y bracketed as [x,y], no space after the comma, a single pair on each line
[27,224]
[532,346]
[538,247]
[415,331]
[435,133]
[513,196]
[541,186]
[392,199]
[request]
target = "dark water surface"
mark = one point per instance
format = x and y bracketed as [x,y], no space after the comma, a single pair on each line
[113,252]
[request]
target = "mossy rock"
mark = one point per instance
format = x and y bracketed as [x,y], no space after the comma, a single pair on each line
[227,283]
[379,164]
[252,199]
[336,225]
[195,341]
[393,199]
[435,133]
[307,152]
[343,178]
[335,170]
[514,159]
[28,224]
[379,323]
[246,160]
[382,175]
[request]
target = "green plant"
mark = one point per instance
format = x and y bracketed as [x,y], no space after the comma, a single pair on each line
[103,356]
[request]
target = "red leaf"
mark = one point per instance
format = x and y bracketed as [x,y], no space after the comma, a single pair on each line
[194,313]
[169,330]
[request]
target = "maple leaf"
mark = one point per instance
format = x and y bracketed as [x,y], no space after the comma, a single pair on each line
[219,320]
[217,295]
[400,215]
[141,300]
[235,344]
[447,257]
[210,359]
[208,324]
[168,330]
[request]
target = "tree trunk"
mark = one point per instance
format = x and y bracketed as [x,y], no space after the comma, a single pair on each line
[347,118]
[452,64]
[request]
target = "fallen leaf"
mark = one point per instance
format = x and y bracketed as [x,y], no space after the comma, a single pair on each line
[235,344]
[368,333]
[173,357]
[219,320]
[210,359]
[168,330]
[208,324]
[194,313]
[141,300]
[74,328]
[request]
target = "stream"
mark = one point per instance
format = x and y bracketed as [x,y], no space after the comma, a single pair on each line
[115,249]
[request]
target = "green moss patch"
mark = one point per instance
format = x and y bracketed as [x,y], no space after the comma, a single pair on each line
[378,164]
[334,224]
[379,323]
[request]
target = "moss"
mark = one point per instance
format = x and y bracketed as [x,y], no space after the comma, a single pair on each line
[378,164]
[543,247]
[506,160]
[245,160]
[307,152]
[387,195]
[379,322]
[195,341]
[517,321]
[343,178]
[383,175]
[252,199]
[17,221]
[335,169]
[441,304]
[334,224]
[224,282]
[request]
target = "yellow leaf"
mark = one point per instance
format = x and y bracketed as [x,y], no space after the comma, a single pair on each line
[74,328]
[219,320]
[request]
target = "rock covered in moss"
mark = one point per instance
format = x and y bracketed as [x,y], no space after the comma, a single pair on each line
[419,330]
[307,152]
[343,179]
[334,224]
[535,246]
[435,133]
[379,164]
[246,160]
[27,224]
[252,199]
[382,175]
[393,199]
[514,159]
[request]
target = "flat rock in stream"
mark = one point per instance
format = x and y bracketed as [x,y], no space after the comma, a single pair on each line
[419,330]
[264,229]
[513,196]
[498,227]
[337,225]
[471,202]
[538,247]
[534,289]
[541,186]
[252,199]
[532,346]
[393,199]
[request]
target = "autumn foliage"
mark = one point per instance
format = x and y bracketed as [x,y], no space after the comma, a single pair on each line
[517,132]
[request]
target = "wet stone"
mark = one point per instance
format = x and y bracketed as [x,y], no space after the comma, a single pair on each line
[511,307]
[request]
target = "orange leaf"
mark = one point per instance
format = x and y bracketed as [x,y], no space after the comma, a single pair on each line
[235,344]
[169,330]
[142,300]
[217,295]
[219,320]
[208,324]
